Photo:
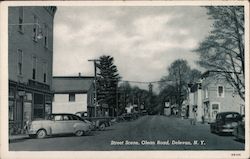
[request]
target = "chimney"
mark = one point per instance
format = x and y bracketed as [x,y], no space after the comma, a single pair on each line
[79,74]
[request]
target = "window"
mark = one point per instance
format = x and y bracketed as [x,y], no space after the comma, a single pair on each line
[44,72]
[39,108]
[35,28]
[11,110]
[46,36]
[220,91]
[206,93]
[20,61]
[58,117]
[34,61]
[215,106]
[71,97]
[66,117]
[20,19]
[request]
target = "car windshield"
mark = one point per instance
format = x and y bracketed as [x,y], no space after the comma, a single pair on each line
[231,117]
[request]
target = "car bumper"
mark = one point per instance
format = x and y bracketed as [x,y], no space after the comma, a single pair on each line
[227,130]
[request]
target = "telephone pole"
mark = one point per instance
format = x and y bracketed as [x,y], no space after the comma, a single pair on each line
[95,93]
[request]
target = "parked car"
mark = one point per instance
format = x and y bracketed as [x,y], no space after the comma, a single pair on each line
[99,123]
[239,130]
[225,122]
[59,124]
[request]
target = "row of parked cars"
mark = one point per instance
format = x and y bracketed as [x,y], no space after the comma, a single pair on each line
[229,123]
[79,124]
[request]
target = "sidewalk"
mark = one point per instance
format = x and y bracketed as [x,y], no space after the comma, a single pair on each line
[13,138]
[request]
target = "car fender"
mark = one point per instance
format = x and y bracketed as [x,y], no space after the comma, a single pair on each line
[80,126]
[47,128]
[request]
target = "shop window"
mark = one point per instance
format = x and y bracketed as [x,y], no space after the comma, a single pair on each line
[39,106]
[11,93]
[11,110]
[48,105]
[72,97]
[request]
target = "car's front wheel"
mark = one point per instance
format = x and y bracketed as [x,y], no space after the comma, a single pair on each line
[79,133]
[41,134]
[102,127]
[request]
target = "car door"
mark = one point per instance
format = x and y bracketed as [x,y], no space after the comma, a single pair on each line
[57,124]
[68,124]
[77,123]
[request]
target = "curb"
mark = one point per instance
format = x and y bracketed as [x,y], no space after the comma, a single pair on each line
[17,138]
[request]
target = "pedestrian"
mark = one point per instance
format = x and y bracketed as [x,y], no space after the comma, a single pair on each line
[193,116]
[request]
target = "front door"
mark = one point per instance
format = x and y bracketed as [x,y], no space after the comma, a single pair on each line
[57,124]
[214,111]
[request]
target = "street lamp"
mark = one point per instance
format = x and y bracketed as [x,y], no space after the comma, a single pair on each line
[39,35]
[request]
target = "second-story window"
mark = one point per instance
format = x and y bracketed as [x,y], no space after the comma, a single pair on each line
[46,36]
[35,28]
[34,61]
[20,19]
[206,93]
[72,97]
[220,91]
[44,72]
[20,61]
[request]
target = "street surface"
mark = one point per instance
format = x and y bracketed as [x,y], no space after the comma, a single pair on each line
[146,133]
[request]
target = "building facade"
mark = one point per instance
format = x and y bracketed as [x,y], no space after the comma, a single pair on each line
[30,60]
[71,93]
[213,94]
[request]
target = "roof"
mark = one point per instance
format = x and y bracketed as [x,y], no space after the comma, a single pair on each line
[72,84]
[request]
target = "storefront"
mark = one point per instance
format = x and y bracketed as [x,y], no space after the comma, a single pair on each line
[26,103]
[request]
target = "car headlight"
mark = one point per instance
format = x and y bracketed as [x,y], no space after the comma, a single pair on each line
[227,126]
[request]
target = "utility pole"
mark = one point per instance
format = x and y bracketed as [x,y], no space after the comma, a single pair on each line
[117,98]
[95,94]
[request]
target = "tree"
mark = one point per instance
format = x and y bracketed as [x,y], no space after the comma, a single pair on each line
[223,50]
[107,81]
[179,75]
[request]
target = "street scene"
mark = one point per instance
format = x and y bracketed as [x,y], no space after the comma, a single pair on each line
[146,133]
[107,78]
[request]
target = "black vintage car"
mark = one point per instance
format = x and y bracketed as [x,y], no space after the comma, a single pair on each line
[225,122]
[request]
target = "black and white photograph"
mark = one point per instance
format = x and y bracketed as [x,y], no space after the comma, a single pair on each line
[126,77]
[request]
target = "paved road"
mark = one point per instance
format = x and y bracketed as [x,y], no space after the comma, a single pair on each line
[145,133]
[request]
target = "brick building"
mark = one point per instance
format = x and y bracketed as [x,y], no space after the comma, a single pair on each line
[30,59]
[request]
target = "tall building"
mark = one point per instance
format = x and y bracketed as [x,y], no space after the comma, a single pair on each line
[30,57]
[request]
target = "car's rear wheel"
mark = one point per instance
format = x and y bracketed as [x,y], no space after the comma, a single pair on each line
[79,133]
[41,134]
[102,127]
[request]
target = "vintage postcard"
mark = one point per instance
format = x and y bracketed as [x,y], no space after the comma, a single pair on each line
[125,79]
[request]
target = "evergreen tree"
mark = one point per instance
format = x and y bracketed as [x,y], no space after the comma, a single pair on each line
[107,81]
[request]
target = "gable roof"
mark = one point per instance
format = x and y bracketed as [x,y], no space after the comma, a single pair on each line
[72,84]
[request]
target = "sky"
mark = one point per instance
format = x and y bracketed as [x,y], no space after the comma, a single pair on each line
[144,40]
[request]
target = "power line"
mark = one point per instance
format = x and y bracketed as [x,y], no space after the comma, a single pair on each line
[142,82]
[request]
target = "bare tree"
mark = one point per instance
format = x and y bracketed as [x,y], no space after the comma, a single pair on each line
[223,50]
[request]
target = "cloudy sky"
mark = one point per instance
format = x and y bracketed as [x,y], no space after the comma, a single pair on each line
[144,41]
